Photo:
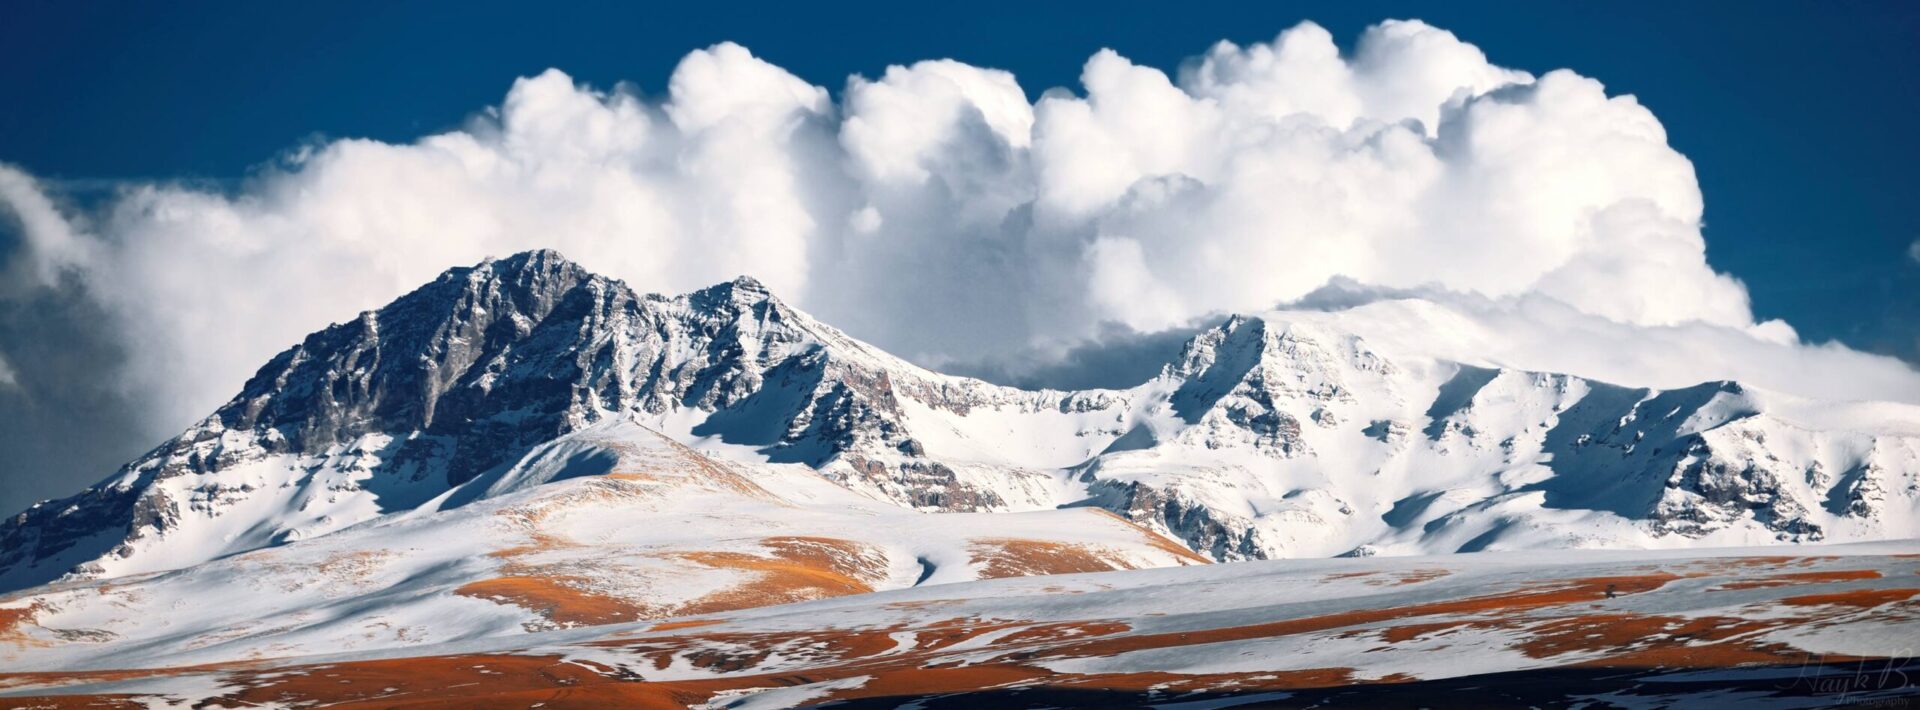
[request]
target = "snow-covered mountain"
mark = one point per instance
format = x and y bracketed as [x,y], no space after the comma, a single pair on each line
[612,523]
[1290,435]
[1282,434]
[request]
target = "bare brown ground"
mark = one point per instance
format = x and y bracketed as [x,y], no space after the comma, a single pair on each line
[1065,630]
[688,624]
[800,569]
[1735,565]
[89,702]
[13,623]
[1793,578]
[775,581]
[561,600]
[1862,598]
[1415,576]
[860,565]
[1409,632]
[520,681]
[1009,557]
[1660,641]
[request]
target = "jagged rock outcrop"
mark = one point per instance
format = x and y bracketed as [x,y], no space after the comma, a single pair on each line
[1278,434]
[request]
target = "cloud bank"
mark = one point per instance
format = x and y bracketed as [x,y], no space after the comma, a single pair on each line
[1542,334]
[937,212]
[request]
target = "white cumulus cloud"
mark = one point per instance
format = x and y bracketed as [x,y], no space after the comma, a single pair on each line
[1541,334]
[938,212]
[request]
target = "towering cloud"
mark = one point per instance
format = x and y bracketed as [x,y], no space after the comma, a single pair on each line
[938,212]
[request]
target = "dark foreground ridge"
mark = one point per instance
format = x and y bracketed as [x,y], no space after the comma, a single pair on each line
[1878,683]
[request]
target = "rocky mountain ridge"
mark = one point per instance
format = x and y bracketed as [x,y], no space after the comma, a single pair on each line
[1272,435]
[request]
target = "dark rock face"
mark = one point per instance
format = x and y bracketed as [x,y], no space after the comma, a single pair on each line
[495,358]
[43,542]
[514,352]
[1191,522]
[1234,386]
[1706,492]
[471,370]
[926,485]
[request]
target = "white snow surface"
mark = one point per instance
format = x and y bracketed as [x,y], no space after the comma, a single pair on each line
[1157,607]
[614,509]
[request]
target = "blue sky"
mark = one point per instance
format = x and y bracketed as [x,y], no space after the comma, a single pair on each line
[1796,115]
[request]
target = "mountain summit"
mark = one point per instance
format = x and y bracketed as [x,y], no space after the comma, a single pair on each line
[1273,435]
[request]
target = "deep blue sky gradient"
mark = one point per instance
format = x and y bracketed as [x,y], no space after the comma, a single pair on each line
[1798,116]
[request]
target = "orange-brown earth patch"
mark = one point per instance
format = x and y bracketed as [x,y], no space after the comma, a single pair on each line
[68,702]
[1863,598]
[952,632]
[1065,630]
[1010,557]
[1569,592]
[549,590]
[1793,578]
[801,569]
[1655,641]
[1409,632]
[688,624]
[495,680]
[1337,576]
[561,600]
[858,564]
[1734,565]
[1415,576]
[13,623]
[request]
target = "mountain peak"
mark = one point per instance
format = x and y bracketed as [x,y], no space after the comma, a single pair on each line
[539,269]
[742,291]
[532,260]
[744,282]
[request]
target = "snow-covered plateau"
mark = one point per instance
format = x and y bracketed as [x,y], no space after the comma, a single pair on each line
[523,447]
[1827,625]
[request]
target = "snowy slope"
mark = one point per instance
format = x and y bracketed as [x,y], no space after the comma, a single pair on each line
[1301,433]
[1290,435]
[613,523]
[1831,626]
[460,378]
